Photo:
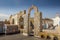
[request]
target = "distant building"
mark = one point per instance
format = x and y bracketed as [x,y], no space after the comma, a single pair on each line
[56,20]
[47,23]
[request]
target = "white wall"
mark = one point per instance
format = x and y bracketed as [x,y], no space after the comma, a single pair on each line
[56,21]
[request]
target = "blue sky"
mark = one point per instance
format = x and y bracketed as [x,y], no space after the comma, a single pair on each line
[49,8]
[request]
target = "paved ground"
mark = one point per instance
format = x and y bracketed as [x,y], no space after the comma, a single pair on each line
[18,37]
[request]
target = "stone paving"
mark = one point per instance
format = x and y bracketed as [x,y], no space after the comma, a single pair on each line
[18,37]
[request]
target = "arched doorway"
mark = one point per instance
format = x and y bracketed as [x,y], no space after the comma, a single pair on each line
[30,23]
[37,20]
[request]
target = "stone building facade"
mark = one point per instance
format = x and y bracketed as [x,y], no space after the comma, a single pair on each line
[17,19]
[47,23]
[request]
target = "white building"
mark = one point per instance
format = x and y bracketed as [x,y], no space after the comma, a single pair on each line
[56,20]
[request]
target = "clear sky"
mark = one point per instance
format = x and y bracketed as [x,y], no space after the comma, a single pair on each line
[49,8]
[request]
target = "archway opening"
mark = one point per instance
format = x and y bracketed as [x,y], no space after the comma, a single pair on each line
[32,22]
[32,13]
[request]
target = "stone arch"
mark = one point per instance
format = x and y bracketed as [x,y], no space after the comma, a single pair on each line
[29,11]
[37,22]
[35,11]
